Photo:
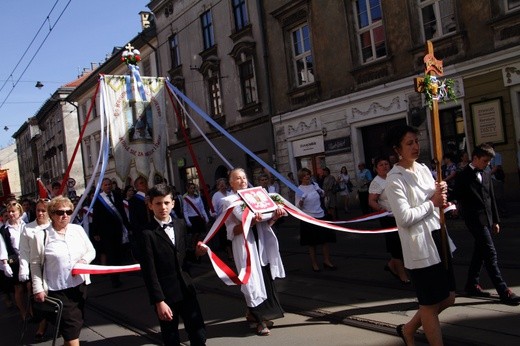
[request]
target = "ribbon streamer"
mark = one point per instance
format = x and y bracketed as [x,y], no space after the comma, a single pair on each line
[207,118]
[82,268]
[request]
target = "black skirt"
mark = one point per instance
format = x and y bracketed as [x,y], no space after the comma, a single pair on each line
[73,300]
[313,235]
[433,284]
[393,243]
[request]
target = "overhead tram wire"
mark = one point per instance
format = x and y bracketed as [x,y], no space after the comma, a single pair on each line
[28,47]
[51,27]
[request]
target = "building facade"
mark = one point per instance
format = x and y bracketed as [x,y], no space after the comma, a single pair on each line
[45,145]
[214,53]
[344,75]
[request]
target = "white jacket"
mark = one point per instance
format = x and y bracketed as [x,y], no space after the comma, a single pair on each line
[409,196]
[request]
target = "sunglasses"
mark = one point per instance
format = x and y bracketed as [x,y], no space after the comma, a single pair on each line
[63,212]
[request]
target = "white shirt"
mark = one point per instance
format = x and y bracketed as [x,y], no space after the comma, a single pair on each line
[62,252]
[377,186]
[190,212]
[168,230]
[216,200]
[15,231]
[311,200]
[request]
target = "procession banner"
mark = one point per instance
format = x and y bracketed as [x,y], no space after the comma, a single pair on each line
[138,129]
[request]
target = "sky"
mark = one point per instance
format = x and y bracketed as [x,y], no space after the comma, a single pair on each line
[85,33]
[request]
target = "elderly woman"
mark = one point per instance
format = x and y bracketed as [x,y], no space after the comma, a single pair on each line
[54,252]
[266,263]
[10,254]
[415,199]
[40,223]
[311,235]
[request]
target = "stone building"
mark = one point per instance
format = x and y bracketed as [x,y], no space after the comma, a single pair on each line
[344,75]
[214,53]
[46,142]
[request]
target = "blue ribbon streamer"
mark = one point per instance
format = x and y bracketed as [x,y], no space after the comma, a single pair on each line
[138,81]
[207,118]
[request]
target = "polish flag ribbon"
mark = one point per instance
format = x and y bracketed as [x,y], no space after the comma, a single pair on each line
[81,268]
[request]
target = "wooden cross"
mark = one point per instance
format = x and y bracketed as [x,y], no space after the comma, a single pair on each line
[433,67]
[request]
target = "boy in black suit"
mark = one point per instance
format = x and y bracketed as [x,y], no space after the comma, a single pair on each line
[474,192]
[169,287]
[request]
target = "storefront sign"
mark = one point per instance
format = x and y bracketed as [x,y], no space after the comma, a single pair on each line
[308,146]
[488,124]
[338,145]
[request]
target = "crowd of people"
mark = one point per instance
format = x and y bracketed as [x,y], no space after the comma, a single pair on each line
[161,229]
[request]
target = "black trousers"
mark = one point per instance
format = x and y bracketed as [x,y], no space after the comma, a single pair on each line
[189,310]
[484,254]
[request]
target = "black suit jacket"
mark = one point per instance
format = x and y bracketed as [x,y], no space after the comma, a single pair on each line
[161,264]
[139,214]
[476,200]
[105,224]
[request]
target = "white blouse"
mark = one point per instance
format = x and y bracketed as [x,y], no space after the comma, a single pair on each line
[62,252]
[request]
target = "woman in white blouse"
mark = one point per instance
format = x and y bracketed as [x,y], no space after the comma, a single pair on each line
[40,223]
[10,254]
[311,235]
[54,253]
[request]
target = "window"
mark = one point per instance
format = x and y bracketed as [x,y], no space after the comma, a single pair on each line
[437,18]
[192,176]
[302,58]
[84,112]
[89,155]
[248,82]
[240,12]
[512,5]
[215,96]
[370,30]
[174,51]
[207,30]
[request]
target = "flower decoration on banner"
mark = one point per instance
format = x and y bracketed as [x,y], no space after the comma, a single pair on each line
[131,56]
[436,89]
[277,199]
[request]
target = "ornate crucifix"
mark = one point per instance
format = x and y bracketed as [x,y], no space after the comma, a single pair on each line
[433,67]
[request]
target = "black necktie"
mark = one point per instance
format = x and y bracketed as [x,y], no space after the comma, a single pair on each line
[110,198]
[166,225]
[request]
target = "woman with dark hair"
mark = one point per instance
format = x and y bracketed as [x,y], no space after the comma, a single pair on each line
[415,199]
[378,200]
[54,252]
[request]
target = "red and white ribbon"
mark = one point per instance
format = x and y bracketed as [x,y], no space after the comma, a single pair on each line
[82,268]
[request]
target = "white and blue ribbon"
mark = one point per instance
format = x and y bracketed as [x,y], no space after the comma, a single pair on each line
[207,118]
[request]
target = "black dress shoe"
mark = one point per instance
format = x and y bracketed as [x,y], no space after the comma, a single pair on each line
[329,266]
[509,298]
[477,291]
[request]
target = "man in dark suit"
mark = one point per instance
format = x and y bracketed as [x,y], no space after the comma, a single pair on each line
[109,227]
[139,214]
[474,192]
[169,287]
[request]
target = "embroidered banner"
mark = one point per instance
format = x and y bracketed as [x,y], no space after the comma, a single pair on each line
[138,129]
